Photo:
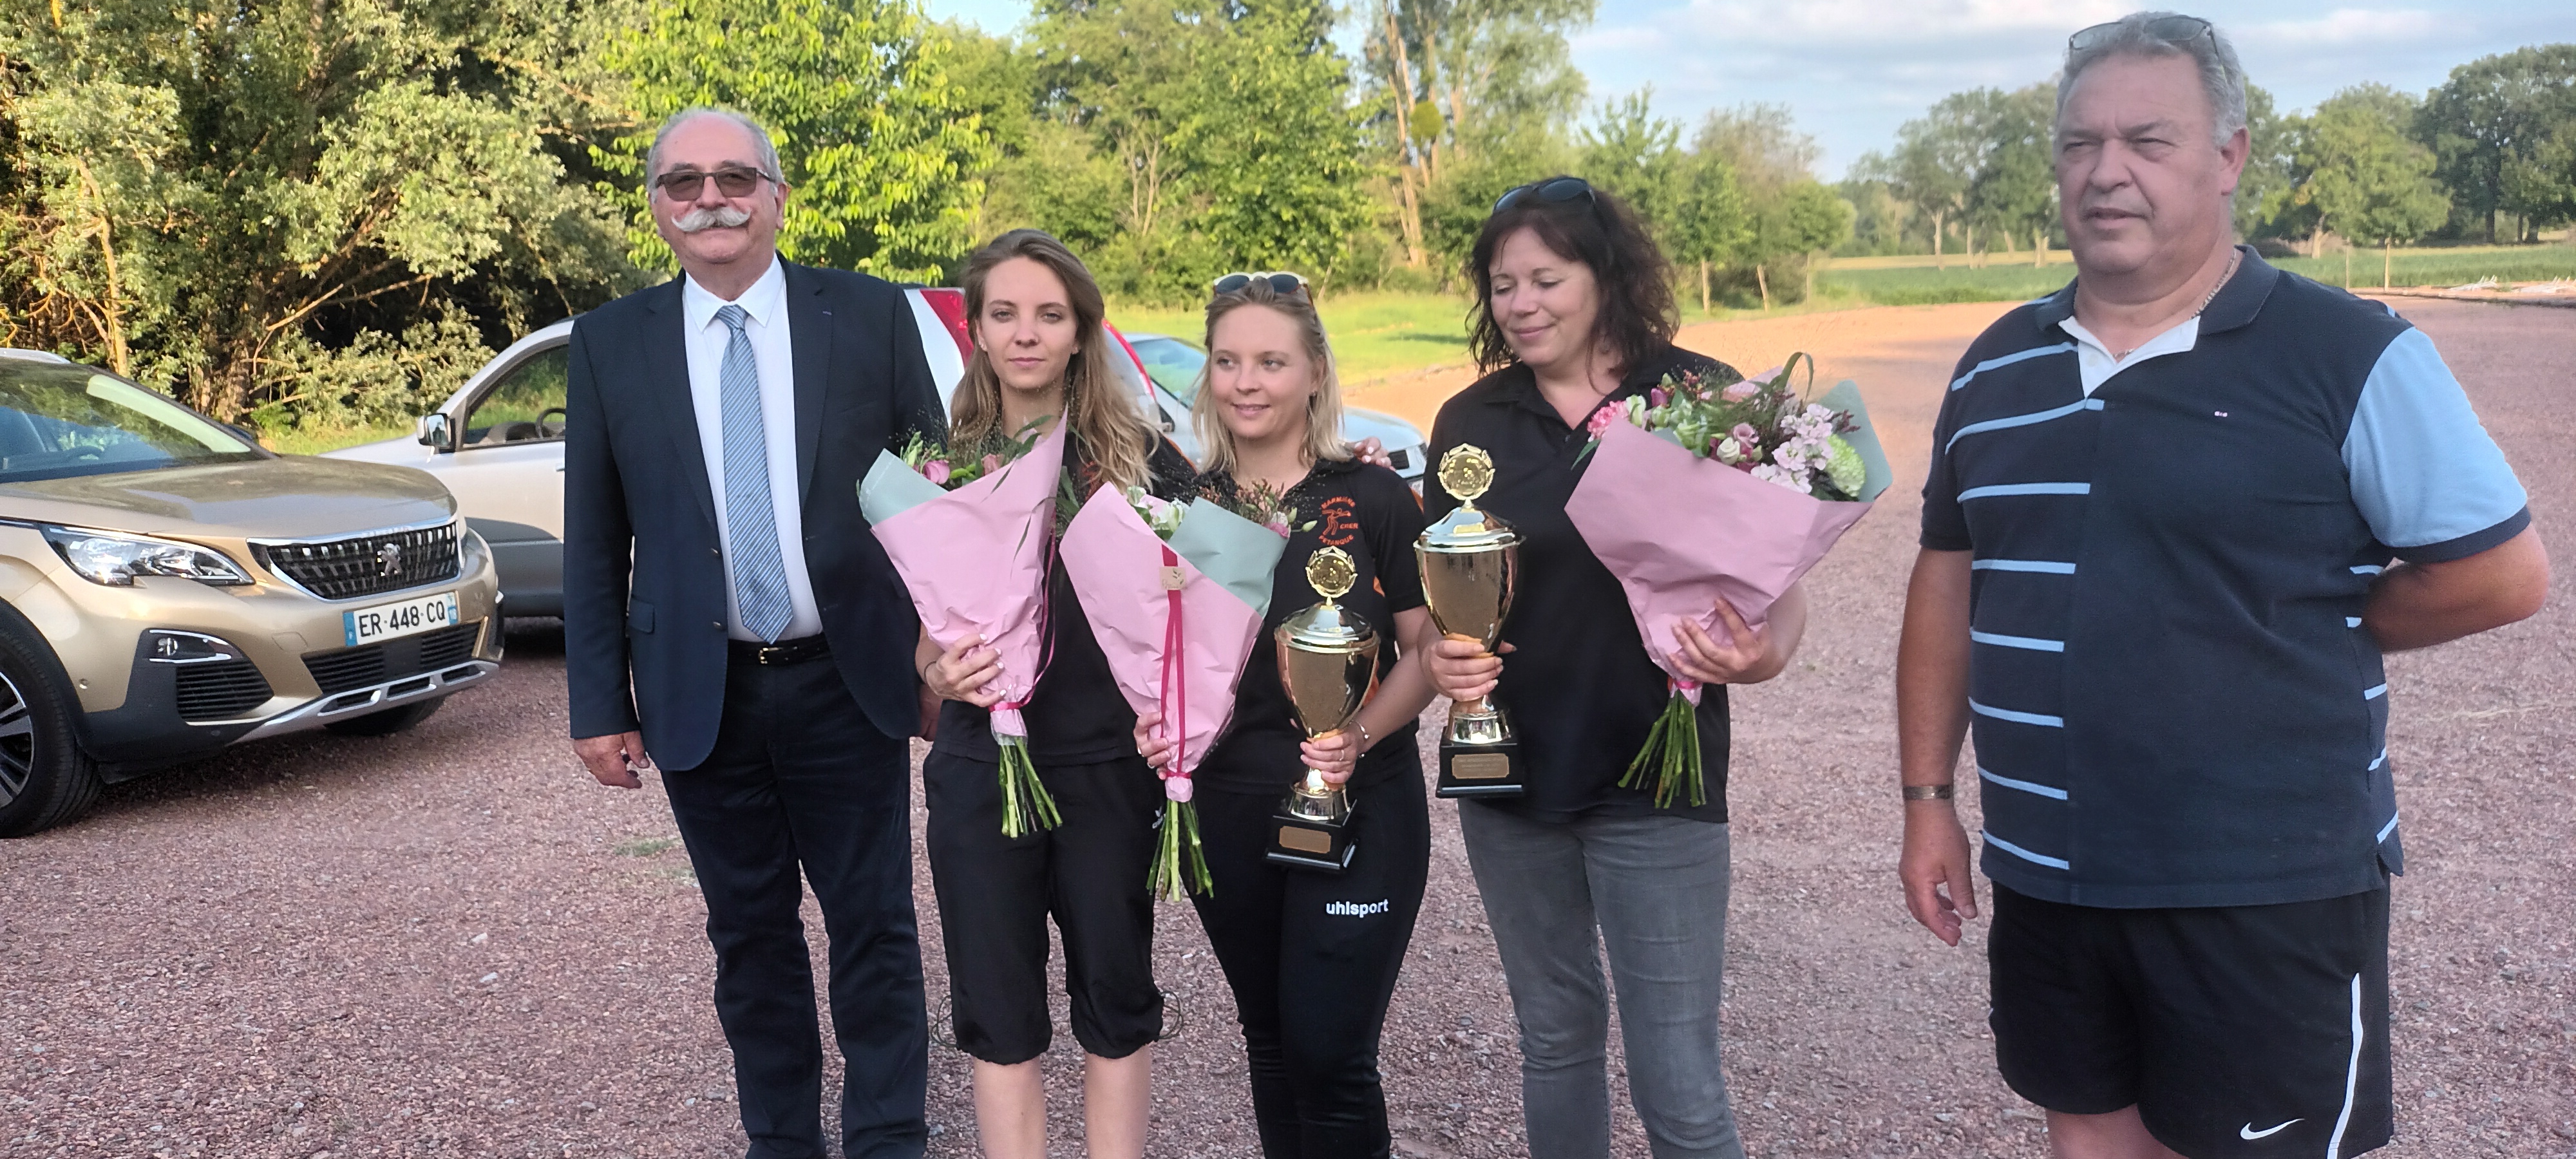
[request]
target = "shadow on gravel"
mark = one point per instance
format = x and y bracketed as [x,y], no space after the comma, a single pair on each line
[531,642]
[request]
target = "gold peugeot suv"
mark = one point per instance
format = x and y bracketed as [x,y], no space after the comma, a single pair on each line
[168,588]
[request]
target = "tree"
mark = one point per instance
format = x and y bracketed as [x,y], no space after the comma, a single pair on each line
[1712,221]
[882,148]
[312,214]
[1938,156]
[2365,177]
[1277,148]
[1799,222]
[1455,78]
[1637,155]
[2015,188]
[2262,191]
[2492,113]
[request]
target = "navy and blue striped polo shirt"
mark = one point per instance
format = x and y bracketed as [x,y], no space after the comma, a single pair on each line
[2174,701]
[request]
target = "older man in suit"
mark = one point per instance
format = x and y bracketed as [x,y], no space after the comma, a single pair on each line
[727,611]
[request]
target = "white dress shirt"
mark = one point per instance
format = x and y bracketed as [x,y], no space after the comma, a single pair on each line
[766,304]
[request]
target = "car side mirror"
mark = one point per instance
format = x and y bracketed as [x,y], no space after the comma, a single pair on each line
[435,433]
[1168,425]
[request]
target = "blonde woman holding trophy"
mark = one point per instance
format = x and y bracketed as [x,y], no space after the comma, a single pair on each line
[1311,807]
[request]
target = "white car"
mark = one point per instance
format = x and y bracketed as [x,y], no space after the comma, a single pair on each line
[1173,366]
[497,443]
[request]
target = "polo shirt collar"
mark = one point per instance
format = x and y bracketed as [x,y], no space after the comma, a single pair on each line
[1521,389]
[2236,304]
[765,300]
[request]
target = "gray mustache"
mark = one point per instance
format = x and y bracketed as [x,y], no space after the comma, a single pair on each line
[696,220]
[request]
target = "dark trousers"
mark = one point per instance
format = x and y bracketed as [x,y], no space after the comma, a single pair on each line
[1313,958]
[800,780]
[996,893]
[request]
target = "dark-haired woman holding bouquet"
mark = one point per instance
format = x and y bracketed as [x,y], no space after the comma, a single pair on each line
[1312,956]
[1574,312]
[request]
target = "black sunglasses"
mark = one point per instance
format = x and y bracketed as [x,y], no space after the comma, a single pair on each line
[1282,282]
[685,184]
[2174,30]
[1562,189]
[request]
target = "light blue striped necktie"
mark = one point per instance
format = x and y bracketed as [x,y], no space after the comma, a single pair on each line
[759,571]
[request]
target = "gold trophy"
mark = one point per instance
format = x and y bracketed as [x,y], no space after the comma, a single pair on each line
[1470,566]
[1328,664]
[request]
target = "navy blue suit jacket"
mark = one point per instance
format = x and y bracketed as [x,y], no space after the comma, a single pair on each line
[644,642]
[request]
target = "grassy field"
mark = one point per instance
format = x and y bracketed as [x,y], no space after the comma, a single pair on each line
[291,441]
[1913,281]
[1373,334]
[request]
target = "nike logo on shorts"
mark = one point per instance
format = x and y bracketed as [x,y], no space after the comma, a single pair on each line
[2248,1132]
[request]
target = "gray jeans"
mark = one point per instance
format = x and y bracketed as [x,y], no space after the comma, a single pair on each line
[1655,888]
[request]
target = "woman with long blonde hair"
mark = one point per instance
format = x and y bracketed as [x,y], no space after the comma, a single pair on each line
[1312,955]
[1040,351]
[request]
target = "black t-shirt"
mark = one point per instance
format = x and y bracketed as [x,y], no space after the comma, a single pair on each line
[1579,688]
[1371,513]
[1075,715]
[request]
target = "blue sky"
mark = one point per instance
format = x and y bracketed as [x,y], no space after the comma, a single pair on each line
[1852,70]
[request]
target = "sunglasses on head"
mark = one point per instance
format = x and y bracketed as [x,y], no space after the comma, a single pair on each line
[732,181]
[2174,30]
[1562,189]
[1280,282]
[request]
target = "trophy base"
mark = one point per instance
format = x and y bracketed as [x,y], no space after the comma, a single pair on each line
[1481,768]
[1308,843]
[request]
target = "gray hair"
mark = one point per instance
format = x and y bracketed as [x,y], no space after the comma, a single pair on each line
[768,152]
[2222,79]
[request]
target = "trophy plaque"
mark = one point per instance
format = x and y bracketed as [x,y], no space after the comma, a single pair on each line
[1470,565]
[1328,664]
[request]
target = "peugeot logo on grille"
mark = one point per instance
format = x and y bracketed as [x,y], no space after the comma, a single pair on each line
[389,559]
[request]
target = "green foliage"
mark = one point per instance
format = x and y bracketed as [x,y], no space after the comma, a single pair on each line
[882,149]
[2367,180]
[2488,126]
[2265,191]
[2014,191]
[328,211]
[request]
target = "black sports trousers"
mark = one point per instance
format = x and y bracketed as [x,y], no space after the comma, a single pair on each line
[800,783]
[996,894]
[1313,958]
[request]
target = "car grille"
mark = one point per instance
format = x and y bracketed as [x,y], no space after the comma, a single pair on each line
[365,565]
[220,689]
[368,664]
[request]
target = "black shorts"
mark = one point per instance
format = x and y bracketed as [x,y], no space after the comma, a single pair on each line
[996,894]
[2235,1030]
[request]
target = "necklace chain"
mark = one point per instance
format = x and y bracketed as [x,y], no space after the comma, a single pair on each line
[2233,257]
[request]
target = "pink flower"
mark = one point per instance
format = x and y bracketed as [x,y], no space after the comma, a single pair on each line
[1177,788]
[1277,523]
[992,463]
[936,471]
[1658,396]
[1601,420]
[1745,434]
[1738,392]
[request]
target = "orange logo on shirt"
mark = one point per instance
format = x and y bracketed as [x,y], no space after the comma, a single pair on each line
[1339,527]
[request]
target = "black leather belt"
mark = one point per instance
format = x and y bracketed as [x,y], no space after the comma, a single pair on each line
[795,651]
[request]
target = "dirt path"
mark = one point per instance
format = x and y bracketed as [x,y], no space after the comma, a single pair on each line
[451,944]
[1888,345]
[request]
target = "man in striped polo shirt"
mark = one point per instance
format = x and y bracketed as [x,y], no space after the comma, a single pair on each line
[2176,512]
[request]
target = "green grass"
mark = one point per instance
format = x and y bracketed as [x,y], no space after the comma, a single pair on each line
[1374,334]
[299,441]
[644,846]
[2004,280]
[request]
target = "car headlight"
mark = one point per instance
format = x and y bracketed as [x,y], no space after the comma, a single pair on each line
[114,560]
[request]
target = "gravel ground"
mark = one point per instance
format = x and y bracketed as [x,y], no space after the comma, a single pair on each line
[450,943]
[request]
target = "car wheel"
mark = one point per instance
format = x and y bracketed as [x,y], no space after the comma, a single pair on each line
[45,778]
[388,722]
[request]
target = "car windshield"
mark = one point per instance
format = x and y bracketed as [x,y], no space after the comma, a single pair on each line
[1173,364]
[57,421]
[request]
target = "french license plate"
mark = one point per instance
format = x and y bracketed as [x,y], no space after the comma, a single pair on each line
[387,621]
